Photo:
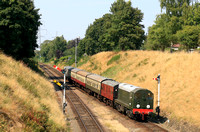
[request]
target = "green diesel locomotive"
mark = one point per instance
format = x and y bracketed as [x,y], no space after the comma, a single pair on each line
[134,101]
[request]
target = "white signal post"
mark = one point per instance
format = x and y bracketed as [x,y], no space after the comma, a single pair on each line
[158,107]
[64,103]
[158,90]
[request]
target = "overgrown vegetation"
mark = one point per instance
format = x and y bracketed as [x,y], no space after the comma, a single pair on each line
[28,101]
[38,121]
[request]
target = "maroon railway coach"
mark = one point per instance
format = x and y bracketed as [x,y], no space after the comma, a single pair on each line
[109,90]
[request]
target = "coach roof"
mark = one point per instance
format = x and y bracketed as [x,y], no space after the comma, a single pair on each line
[97,77]
[83,73]
[110,83]
[75,70]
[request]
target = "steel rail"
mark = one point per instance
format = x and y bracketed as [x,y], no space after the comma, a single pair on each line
[95,125]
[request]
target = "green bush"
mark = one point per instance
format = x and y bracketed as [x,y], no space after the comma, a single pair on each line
[64,58]
[113,59]
[56,61]
[71,61]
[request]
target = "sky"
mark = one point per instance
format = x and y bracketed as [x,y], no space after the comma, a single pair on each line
[71,18]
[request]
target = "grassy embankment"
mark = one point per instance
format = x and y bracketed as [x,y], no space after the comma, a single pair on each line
[27,101]
[180,78]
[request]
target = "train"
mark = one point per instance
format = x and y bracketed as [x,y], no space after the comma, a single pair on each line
[131,100]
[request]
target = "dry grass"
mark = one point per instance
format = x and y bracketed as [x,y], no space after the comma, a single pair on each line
[22,90]
[180,78]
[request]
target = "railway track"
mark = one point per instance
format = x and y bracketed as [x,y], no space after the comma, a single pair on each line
[87,120]
[149,126]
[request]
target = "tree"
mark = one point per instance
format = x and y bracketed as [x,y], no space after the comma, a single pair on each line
[192,15]
[128,32]
[119,30]
[189,36]
[54,48]
[174,7]
[173,26]
[96,36]
[59,46]
[19,22]
[160,34]
[45,50]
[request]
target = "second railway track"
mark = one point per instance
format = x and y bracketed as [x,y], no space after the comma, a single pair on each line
[87,120]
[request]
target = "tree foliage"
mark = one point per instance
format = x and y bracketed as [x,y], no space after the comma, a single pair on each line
[174,7]
[159,37]
[178,21]
[118,30]
[189,36]
[19,22]
[53,49]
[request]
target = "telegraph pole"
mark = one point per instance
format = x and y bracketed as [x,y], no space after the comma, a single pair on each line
[76,43]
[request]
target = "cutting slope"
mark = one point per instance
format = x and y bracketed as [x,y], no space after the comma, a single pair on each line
[27,100]
[180,77]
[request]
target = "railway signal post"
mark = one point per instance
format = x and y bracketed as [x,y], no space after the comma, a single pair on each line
[63,87]
[64,102]
[158,107]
